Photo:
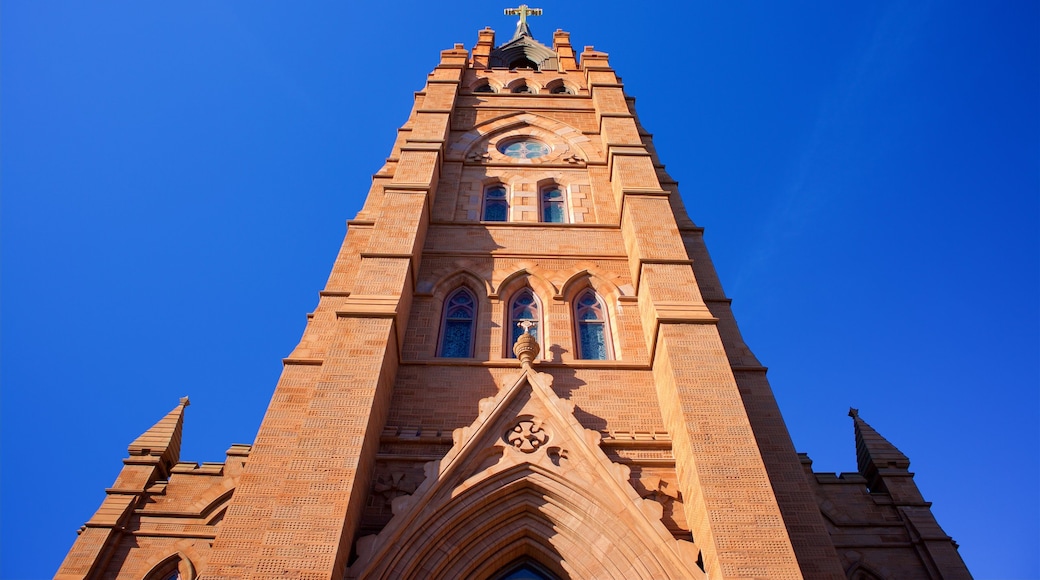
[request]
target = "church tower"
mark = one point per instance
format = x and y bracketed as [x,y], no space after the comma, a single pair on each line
[523,365]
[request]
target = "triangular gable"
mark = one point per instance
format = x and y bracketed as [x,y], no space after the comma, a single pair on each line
[523,476]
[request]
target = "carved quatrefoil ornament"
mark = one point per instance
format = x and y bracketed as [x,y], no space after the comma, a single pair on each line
[527,436]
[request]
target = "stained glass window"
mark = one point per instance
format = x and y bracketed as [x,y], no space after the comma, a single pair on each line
[524,149]
[523,307]
[459,314]
[591,320]
[496,205]
[553,206]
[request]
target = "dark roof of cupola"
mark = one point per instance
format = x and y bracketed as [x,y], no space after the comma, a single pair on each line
[523,51]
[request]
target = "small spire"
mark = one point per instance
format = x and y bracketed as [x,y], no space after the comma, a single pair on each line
[873,452]
[523,11]
[162,440]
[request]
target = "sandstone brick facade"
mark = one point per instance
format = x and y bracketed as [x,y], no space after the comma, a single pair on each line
[380,458]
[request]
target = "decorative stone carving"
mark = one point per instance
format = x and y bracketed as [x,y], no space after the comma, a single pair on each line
[527,436]
[526,347]
[392,485]
[557,455]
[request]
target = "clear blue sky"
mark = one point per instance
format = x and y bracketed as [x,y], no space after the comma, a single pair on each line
[176,178]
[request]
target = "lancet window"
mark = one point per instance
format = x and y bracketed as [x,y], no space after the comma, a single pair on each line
[496,204]
[460,314]
[590,316]
[524,307]
[554,206]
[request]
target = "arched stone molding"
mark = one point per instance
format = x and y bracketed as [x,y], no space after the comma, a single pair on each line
[528,276]
[604,286]
[523,544]
[861,571]
[477,82]
[213,500]
[612,296]
[525,478]
[167,565]
[524,48]
[560,83]
[447,284]
[514,84]
[567,142]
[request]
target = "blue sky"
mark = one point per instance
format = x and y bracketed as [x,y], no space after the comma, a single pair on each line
[176,179]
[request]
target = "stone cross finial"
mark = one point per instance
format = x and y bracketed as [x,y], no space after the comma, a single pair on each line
[523,11]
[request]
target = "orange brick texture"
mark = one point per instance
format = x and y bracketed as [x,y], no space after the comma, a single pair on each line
[679,424]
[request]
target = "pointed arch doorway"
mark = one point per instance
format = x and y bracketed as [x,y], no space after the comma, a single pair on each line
[524,569]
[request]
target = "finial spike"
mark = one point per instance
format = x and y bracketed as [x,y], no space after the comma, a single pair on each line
[526,347]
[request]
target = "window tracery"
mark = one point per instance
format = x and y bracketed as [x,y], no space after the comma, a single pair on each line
[590,318]
[523,307]
[460,314]
[525,148]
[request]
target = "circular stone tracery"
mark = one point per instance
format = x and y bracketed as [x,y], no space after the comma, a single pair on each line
[527,436]
[524,149]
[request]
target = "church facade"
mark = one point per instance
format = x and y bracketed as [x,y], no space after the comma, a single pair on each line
[523,365]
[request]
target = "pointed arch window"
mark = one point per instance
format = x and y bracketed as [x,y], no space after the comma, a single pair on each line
[590,316]
[524,307]
[484,87]
[524,571]
[496,204]
[460,314]
[554,205]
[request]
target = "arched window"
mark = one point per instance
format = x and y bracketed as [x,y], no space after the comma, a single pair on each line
[522,89]
[590,318]
[524,569]
[560,90]
[523,62]
[523,307]
[460,313]
[175,567]
[484,87]
[554,210]
[496,204]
